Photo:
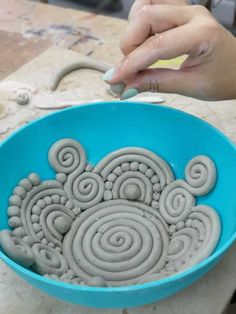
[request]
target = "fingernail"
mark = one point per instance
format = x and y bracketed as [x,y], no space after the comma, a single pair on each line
[108,75]
[117,88]
[129,93]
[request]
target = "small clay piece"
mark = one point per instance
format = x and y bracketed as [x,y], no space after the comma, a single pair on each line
[83,64]
[23,97]
[16,249]
[96,282]
[117,240]
[17,91]
[138,223]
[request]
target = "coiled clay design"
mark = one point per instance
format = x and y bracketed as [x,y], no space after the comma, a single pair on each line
[16,248]
[177,199]
[40,211]
[48,260]
[118,241]
[84,190]
[123,221]
[67,155]
[195,239]
[135,174]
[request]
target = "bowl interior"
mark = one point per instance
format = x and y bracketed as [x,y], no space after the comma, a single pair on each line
[102,128]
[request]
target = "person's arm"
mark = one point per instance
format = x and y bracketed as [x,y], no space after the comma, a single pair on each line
[164,31]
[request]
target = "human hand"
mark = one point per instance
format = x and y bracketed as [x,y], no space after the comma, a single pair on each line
[163,31]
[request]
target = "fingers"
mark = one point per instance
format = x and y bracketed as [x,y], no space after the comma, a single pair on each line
[150,20]
[138,4]
[170,44]
[163,80]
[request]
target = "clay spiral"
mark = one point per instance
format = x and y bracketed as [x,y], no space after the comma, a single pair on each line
[177,199]
[134,174]
[84,190]
[195,239]
[112,240]
[67,155]
[40,211]
[200,174]
[48,260]
[176,202]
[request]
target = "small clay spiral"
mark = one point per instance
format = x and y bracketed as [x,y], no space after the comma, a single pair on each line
[67,155]
[117,240]
[84,190]
[200,175]
[16,248]
[176,202]
[48,260]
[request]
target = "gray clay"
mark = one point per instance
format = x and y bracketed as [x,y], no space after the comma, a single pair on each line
[67,155]
[155,277]
[127,229]
[197,238]
[177,199]
[138,223]
[16,249]
[23,97]
[96,282]
[134,168]
[200,174]
[42,212]
[83,64]
[48,260]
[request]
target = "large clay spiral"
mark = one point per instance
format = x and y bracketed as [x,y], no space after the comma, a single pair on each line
[117,240]
[40,211]
[84,190]
[66,155]
[177,200]
[134,174]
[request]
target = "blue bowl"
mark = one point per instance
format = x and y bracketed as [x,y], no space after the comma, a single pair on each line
[102,128]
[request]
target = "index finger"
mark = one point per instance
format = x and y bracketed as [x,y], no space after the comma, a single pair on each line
[138,4]
[170,44]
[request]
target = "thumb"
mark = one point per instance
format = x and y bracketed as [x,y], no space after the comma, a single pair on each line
[163,81]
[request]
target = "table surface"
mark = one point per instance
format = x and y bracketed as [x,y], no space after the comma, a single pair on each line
[26,30]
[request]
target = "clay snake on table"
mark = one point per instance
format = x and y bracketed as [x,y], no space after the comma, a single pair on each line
[82,64]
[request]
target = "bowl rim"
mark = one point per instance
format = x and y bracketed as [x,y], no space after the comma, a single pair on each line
[130,288]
